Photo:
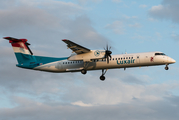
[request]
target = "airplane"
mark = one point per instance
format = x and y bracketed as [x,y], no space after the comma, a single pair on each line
[83,59]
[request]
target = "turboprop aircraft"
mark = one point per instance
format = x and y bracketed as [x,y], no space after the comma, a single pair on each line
[84,59]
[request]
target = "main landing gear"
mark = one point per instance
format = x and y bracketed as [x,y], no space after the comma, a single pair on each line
[102,77]
[83,71]
[166,68]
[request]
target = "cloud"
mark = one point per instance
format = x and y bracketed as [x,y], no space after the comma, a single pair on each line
[166,10]
[152,19]
[143,6]
[41,23]
[130,17]
[84,2]
[175,36]
[43,96]
[136,25]
[80,103]
[117,1]
[117,27]
[40,95]
[137,110]
[158,35]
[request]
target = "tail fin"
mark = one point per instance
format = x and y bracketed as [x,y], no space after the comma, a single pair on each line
[21,50]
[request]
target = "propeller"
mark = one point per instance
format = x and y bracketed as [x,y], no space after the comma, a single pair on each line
[107,53]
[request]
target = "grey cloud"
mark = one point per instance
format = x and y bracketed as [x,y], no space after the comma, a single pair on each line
[167,10]
[72,87]
[49,95]
[7,3]
[22,80]
[45,30]
[136,110]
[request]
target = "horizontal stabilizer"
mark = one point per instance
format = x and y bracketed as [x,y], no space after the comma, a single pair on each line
[11,39]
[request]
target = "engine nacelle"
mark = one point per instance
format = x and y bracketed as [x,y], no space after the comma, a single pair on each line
[87,57]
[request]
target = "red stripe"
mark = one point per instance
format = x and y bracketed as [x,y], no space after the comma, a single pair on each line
[18,44]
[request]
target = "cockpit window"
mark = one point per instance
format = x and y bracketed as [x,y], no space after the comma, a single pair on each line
[159,54]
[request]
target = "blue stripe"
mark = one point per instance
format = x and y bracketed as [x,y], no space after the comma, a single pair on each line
[25,58]
[30,61]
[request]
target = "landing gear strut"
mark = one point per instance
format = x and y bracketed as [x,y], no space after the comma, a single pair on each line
[84,71]
[166,68]
[102,77]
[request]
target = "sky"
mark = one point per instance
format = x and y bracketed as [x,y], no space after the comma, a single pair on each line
[131,26]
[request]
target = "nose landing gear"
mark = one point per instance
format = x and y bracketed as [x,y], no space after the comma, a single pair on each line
[166,68]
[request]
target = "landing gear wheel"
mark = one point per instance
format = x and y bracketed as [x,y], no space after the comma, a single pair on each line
[102,77]
[166,68]
[83,71]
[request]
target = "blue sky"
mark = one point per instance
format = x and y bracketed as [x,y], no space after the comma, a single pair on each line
[127,26]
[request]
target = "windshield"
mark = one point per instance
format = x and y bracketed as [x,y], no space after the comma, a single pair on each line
[159,54]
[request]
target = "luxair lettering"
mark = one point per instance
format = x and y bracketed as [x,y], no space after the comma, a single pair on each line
[121,62]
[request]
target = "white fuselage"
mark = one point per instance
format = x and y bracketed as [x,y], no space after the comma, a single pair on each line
[117,61]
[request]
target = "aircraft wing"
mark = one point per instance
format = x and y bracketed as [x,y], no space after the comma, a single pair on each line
[78,49]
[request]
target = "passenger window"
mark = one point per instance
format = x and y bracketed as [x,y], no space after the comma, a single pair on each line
[126,57]
[118,58]
[129,57]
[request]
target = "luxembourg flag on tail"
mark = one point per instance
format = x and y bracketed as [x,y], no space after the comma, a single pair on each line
[21,50]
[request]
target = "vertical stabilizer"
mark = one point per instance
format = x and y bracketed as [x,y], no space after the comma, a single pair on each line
[21,50]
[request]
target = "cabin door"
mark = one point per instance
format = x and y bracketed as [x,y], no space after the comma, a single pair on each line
[138,59]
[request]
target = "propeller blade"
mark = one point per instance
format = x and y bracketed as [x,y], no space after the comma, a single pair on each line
[108,60]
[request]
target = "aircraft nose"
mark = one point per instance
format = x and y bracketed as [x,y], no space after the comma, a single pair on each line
[172,60]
